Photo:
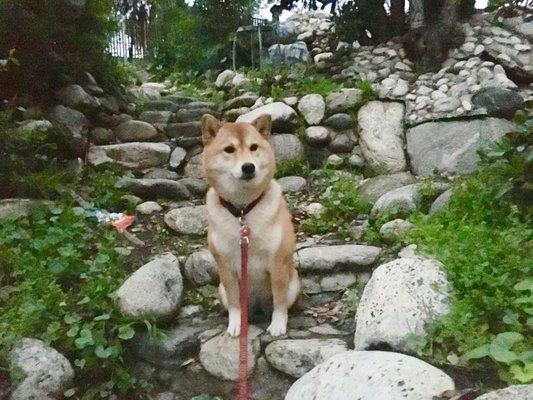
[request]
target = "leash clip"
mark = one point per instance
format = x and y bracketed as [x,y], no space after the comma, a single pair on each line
[244,230]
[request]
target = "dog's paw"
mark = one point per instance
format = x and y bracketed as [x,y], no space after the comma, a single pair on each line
[278,326]
[234,323]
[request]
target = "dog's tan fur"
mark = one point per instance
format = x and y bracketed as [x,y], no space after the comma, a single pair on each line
[272,277]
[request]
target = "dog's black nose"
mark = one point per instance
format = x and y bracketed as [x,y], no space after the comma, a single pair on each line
[248,169]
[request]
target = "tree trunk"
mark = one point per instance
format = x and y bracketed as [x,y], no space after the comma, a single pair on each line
[416,14]
[428,44]
[397,16]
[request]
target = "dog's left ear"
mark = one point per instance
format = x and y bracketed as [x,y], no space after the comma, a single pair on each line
[210,127]
[263,124]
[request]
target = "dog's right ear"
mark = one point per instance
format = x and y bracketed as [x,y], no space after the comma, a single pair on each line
[210,127]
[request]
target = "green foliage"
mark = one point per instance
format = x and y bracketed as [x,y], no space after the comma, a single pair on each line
[293,167]
[206,296]
[57,283]
[342,205]
[54,42]
[196,37]
[483,237]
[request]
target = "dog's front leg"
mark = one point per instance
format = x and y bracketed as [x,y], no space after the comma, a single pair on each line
[229,294]
[280,285]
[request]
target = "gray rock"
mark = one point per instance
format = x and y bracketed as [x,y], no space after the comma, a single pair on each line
[340,121]
[196,186]
[224,78]
[148,207]
[184,129]
[135,131]
[282,115]
[498,101]
[401,201]
[330,258]
[398,302]
[69,122]
[292,184]
[31,126]
[101,136]
[201,268]
[155,188]
[74,96]
[441,201]
[312,284]
[334,160]
[177,157]
[161,105]
[446,104]
[160,173]
[287,147]
[317,136]
[194,167]
[343,100]
[298,356]
[381,135]
[155,117]
[372,189]
[395,229]
[451,147]
[153,291]
[130,155]
[244,100]
[371,375]
[401,88]
[187,220]
[356,158]
[515,392]
[268,383]
[36,367]
[220,355]
[313,108]
[341,143]
[234,113]
[192,115]
[171,348]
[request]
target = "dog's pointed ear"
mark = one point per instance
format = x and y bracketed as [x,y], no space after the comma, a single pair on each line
[263,124]
[210,127]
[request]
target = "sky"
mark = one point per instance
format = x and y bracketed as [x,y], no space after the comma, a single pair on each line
[265,6]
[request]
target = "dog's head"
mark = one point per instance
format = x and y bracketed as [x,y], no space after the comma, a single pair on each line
[237,156]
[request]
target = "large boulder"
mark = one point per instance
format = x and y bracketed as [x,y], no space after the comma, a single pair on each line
[313,108]
[36,367]
[371,375]
[344,100]
[130,155]
[74,96]
[398,302]
[381,135]
[220,355]
[68,121]
[188,220]
[201,268]
[282,115]
[334,258]
[451,147]
[153,291]
[135,131]
[499,102]
[372,189]
[287,147]
[295,357]
[155,188]
[516,392]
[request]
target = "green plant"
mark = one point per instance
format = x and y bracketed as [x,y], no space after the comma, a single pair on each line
[483,238]
[61,272]
[298,167]
[342,204]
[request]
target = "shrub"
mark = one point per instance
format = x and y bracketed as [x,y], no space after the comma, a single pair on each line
[58,276]
[483,237]
[342,205]
[54,43]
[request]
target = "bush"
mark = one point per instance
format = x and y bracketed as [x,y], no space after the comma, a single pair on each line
[54,43]
[483,237]
[58,276]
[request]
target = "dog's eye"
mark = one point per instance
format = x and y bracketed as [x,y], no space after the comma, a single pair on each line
[254,147]
[229,149]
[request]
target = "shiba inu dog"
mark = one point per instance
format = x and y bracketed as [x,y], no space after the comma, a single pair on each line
[239,167]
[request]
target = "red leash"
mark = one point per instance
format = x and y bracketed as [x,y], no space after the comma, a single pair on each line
[242,382]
